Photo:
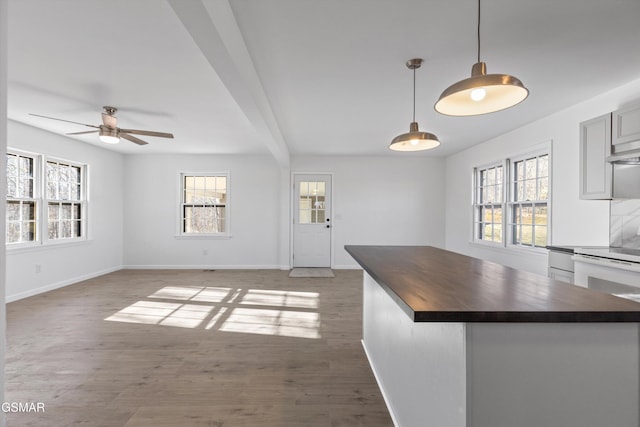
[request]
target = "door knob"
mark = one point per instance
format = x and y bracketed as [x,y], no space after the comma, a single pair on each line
[328,226]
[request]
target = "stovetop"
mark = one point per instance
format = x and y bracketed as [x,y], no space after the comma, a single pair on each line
[621,254]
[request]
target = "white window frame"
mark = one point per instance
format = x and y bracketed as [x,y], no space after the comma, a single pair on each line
[479,203]
[39,192]
[36,199]
[180,233]
[512,204]
[82,201]
[507,198]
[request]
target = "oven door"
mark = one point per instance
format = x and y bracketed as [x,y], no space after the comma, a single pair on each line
[620,278]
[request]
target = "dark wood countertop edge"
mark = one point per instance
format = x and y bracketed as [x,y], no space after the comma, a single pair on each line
[499,316]
[394,296]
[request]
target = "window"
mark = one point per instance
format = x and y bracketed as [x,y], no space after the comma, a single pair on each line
[21,203]
[528,204]
[518,214]
[489,204]
[312,203]
[64,200]
[36,185]
[204,205]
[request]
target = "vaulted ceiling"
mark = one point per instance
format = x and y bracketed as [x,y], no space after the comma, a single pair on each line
[305,77]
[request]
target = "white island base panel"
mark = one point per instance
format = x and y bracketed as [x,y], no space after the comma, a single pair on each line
[501,374]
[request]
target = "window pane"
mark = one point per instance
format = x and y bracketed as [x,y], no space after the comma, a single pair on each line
[497,215]
[488,232]
[526,215]
[519,170]
[530,168]
[498,197]
[12,187]
[526,235]
[26,166]
[541,215]
[12,165]
[66,211]
[541,235]
[497,233]
[488,193]
[543,189]
[52,181]
[519,191]
[54,211]
[305,211]
[28,211]
[53,230]
[13,232]
[491,177]
[26,187]
[13,211]
[488,215]
[543,166]
[66,229]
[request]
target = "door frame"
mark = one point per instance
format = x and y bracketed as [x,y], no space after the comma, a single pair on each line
[292,213]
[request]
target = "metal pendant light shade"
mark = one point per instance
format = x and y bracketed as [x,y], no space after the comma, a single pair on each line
[414,140]
[481,93]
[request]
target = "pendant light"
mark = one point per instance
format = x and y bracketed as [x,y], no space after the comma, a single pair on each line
[414,140]
[481,93]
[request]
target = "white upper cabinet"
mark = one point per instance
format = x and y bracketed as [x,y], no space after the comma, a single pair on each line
[595,145]
[626,126]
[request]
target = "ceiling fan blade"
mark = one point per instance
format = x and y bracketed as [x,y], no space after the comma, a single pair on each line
[83,132]
[132,138]
[62,120]
[109,120]
[148,133]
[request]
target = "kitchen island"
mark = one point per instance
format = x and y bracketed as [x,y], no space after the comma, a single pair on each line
[457,341]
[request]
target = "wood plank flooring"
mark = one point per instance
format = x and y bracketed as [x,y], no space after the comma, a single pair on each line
[194,348]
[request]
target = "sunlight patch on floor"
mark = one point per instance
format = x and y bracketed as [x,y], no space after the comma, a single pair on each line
[273,322]
[189,307]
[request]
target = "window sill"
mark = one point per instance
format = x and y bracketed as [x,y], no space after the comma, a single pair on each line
[512,249]
[38,247]
[203,236]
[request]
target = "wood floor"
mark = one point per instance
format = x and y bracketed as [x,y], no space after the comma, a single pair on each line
[194,348]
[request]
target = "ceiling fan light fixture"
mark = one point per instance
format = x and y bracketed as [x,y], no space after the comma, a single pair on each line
[481,93]
[414,140]
[109,136]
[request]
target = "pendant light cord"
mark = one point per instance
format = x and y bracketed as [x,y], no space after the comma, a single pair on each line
[478,31]
[414,94]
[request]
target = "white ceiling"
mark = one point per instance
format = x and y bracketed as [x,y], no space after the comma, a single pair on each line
[305,77]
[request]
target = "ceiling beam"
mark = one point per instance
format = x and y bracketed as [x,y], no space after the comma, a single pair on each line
[214,29]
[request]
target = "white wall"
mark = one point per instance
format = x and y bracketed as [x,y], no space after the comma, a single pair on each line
[382,201]
[151,211]
[69,263]
[573,221]
[3,145]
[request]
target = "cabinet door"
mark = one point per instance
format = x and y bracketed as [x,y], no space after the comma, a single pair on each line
[564,276]
[595,145]
[626,126]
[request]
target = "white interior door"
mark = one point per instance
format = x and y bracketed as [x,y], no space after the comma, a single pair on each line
[311,221]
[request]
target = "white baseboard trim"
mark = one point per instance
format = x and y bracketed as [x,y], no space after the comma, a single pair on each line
[347,267]
[202,267]
[57,285]
[384,395]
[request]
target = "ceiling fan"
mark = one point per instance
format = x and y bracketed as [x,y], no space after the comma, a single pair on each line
[108,130]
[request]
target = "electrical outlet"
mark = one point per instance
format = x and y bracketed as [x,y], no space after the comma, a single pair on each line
[38,268]
[205,252]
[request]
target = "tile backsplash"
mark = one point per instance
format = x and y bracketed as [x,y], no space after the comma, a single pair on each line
[624,224]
